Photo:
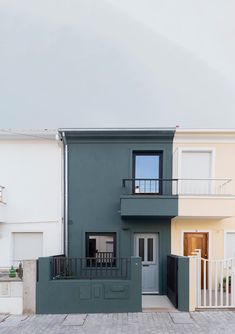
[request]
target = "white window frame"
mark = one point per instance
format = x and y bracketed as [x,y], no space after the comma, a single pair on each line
[198,149]
[197,231]
[225,240]
[25,231]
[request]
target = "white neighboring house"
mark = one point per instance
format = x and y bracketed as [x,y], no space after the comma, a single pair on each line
[31,203]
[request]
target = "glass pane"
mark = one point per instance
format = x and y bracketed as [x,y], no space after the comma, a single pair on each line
[147,167]
[141,248]
[150,249]
[101,246]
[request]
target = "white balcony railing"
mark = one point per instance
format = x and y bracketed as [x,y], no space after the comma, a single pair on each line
[205,187]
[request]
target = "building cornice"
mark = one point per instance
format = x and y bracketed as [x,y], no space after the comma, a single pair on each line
[206,136]
[30,134]
[134,133]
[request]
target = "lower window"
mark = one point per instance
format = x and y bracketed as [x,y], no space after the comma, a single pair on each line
[26,246]
[101,248]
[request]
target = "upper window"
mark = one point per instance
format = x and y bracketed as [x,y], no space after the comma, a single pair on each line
[195,173]
[147,172]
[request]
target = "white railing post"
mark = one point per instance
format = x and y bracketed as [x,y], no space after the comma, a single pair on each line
[210,274]
[233,283]
[216,283]
[204,281]
[227,283]
[198,255]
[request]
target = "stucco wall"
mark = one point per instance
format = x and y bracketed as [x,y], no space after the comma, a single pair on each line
[11,297]
[201,215]
[30,171]
[216,229]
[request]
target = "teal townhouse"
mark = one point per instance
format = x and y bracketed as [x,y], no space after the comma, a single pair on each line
[118,206]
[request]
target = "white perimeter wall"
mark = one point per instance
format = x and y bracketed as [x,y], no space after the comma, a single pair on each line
[31,172]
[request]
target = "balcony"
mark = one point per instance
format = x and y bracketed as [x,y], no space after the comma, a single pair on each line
[182,198]
[149,198]
[206,198]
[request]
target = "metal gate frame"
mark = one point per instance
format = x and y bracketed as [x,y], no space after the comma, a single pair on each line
[172,279]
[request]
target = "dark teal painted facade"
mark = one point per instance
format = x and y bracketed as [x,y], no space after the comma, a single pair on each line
[97,164]
[87,296]
[183,283]
[149,206]
[98,161]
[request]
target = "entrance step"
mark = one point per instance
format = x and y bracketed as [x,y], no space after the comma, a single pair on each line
[156,303]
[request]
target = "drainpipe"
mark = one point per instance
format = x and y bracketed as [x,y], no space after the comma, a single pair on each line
[65,194]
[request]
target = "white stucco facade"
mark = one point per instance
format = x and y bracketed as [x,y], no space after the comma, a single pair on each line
[31,172]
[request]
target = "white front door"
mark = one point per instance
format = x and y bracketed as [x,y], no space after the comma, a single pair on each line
[146,247]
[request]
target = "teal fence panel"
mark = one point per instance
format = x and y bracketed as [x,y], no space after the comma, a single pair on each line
[59,296]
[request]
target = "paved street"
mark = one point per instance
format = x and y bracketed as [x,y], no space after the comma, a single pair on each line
[131,323]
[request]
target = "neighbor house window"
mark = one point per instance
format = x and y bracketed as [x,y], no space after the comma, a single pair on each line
[26,246]
[101,246]
[195,173]
[147,171]
[230,245]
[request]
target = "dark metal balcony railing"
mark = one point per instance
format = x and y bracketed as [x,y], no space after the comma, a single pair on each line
[167,187]
[90,268]
[149,186]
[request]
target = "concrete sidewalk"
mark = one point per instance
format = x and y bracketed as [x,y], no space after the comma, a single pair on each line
[131,323]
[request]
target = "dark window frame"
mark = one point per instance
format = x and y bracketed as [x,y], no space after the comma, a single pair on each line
[147,153]
[110,234]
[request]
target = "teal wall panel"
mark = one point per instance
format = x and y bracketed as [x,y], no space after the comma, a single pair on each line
[183,283]
[149,206]
[87,296]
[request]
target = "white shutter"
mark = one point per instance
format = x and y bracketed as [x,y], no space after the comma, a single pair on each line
[230,245]
[27,246]
[196,172]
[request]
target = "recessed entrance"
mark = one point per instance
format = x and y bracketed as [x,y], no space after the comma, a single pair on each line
[193,241]
[146,247]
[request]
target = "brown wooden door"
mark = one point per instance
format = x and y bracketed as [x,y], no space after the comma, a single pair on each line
[196,240]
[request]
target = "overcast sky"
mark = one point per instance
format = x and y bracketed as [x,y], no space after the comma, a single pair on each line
[117,63]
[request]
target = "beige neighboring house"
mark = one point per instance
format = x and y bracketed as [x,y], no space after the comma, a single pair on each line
[204,163]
